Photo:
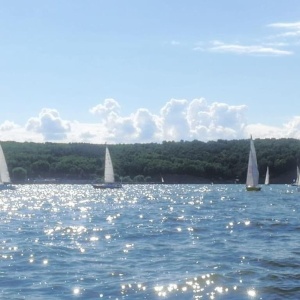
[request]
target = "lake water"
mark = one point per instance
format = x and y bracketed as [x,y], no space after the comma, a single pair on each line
[149,242]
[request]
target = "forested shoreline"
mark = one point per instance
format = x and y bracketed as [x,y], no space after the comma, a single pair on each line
[222,161]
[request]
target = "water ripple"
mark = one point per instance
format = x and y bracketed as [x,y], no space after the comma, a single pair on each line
[149,242]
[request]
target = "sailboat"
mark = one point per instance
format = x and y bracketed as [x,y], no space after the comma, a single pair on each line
[267,178]
[297,181]
[109,176]
[252,172]
[5,182]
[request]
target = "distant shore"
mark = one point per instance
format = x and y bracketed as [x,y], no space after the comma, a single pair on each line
[286,178]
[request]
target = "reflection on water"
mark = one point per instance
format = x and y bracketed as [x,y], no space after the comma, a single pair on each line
[149,242]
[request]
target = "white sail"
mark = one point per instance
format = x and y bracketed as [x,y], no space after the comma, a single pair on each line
[252,172]
[297,182]
[267,179]
[4,174]
[109,176]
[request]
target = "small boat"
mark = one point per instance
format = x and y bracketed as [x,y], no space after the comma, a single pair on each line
[252,172]
[267,178]
[297,181]
[109,176]
[5,182]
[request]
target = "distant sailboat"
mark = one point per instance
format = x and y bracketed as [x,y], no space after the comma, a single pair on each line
[109,176]
[252,172]
[267,179]
[5,182]
[297,181]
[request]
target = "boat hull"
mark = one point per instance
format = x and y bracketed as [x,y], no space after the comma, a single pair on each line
[253,188]
[107,186]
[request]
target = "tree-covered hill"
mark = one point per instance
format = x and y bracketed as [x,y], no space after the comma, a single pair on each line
[184,161]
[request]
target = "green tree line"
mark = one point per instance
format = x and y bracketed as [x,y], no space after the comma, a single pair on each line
[217,161]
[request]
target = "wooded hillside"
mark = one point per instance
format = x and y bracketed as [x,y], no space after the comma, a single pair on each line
[195,161]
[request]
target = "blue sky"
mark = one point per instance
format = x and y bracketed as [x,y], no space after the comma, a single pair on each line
[148,71]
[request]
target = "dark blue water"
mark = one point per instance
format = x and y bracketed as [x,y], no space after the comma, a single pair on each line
[149,242]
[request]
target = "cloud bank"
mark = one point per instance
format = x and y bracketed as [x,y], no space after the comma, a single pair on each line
[178,119]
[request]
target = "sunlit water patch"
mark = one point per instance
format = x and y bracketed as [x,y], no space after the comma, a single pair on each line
[149,242]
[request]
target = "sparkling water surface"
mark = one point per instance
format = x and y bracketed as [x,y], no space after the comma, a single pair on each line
[149,242]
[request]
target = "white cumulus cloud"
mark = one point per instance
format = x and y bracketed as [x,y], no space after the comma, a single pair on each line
[217,119]
[178,119]
[49,124]
[7,126]
[174,120]
[109,106]
[148,126]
